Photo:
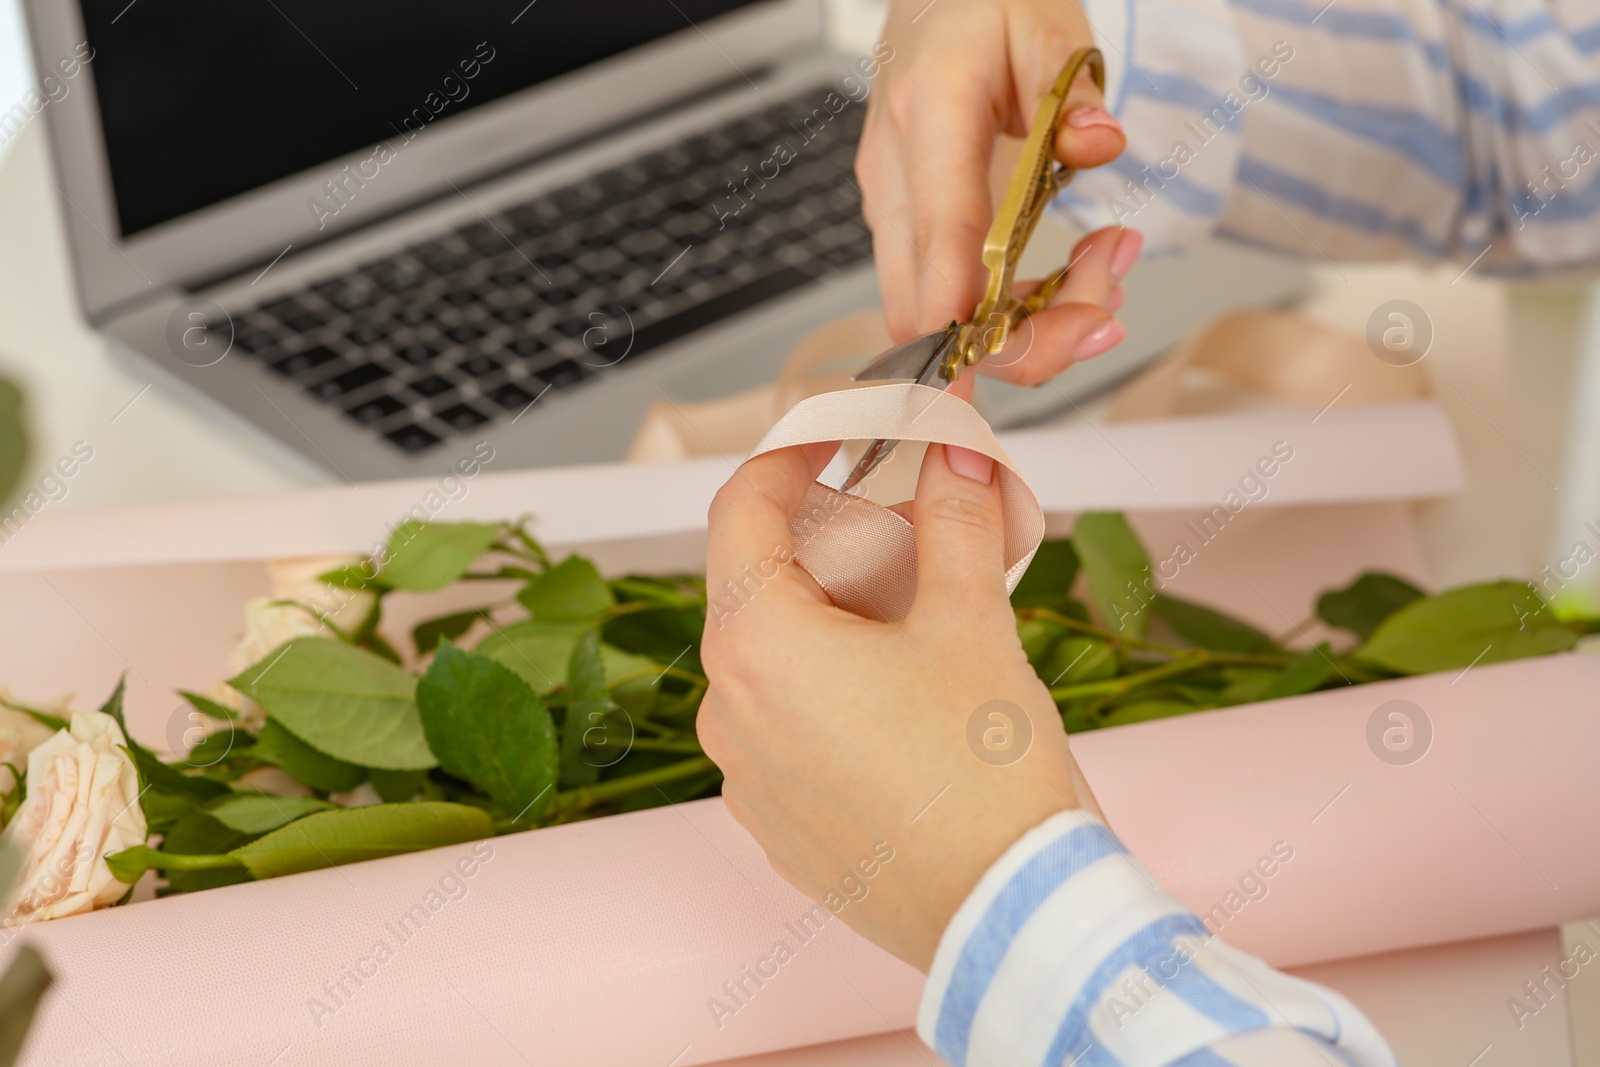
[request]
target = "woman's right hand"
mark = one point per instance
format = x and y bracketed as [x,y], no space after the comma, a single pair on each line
[960,74]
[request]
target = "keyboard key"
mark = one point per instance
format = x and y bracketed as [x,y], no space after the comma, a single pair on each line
[513,314]
[529,346]
[349,381]
[478,366]
[461,417]
[306,321]
[463,334]
[301,362]
[511,397]
[460,297]
[740,298]
[365,334]
[413,315]
[397,279]
[562,373]
[419,352]
[284,309]
[431,386]
[413,438]
[376,410]
[254,342]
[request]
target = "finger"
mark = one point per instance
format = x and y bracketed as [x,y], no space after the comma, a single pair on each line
[1051,341]
[886,207]
[1089,136]
[1078,325]
[960,534]
[749,539]
[951,139]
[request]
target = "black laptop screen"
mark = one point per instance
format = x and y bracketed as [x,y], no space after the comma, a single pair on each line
[203,100]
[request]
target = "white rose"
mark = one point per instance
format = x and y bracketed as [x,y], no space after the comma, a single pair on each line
[296,609]
[82,803]
[19,735]
[296,579]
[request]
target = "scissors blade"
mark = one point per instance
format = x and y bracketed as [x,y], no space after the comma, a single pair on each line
[906,361]
[920,359]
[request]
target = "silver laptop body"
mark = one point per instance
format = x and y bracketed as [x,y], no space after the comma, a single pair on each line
[581,209]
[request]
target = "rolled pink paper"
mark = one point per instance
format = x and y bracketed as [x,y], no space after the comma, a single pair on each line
[652,938]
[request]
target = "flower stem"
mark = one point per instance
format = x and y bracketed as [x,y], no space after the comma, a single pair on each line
[1115,687]
[667,744]
[178,861]
[576,800]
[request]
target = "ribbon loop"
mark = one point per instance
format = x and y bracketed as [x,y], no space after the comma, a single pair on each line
[863,555]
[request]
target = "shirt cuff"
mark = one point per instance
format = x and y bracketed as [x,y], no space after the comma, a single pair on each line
[1067,943]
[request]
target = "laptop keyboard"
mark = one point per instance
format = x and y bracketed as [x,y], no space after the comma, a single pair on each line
[473,327]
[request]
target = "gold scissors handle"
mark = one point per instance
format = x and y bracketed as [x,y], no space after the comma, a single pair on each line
[1034,183]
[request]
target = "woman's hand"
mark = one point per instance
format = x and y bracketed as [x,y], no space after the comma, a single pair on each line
[961,73]
[844,741]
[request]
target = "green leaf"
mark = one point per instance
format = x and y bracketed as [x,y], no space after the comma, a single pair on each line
[1039,637]
[257,813]
[44,718]
[207,706]
[1363,604]
[1305,673]
[343,701]
[278,746]
[430,555]
[162,778]
[1205,628]
[572,590]
[1117,570]
[200,834]
[129,865]
[589,711]
[217,746]
[113,707]
[539,652]
[357,576]
[351,835]
[21,988]
[427,635]
[13,444]
[1476,624]
[162,810]
[1145,710]
[1048,580]
[398,786]
[1077,660]
[489,728]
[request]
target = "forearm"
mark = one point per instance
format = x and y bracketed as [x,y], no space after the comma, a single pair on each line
[1068,951]
[1395,129]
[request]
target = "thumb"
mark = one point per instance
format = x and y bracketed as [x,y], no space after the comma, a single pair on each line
[960,532]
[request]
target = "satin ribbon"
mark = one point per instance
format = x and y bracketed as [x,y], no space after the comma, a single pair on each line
[863,555]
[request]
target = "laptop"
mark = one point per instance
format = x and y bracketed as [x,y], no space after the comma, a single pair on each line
[373,236]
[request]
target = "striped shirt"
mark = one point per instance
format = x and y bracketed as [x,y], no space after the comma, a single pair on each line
[1356,129]
[1069,953]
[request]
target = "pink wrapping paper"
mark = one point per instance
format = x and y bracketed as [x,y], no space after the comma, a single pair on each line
[604,943]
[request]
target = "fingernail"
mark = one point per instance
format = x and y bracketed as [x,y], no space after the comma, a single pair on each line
[1115,303]
[969,464]
[1081,118]
[1100,339]
[1129,245]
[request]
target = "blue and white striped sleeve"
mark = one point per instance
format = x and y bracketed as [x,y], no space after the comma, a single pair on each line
[1356,129]
[1068,952]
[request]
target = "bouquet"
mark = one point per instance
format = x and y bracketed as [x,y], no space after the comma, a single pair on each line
[573,696]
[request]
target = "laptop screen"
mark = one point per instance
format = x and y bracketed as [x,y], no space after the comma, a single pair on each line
[202,100]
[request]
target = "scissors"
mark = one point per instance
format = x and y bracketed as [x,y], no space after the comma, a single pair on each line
[937,359]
